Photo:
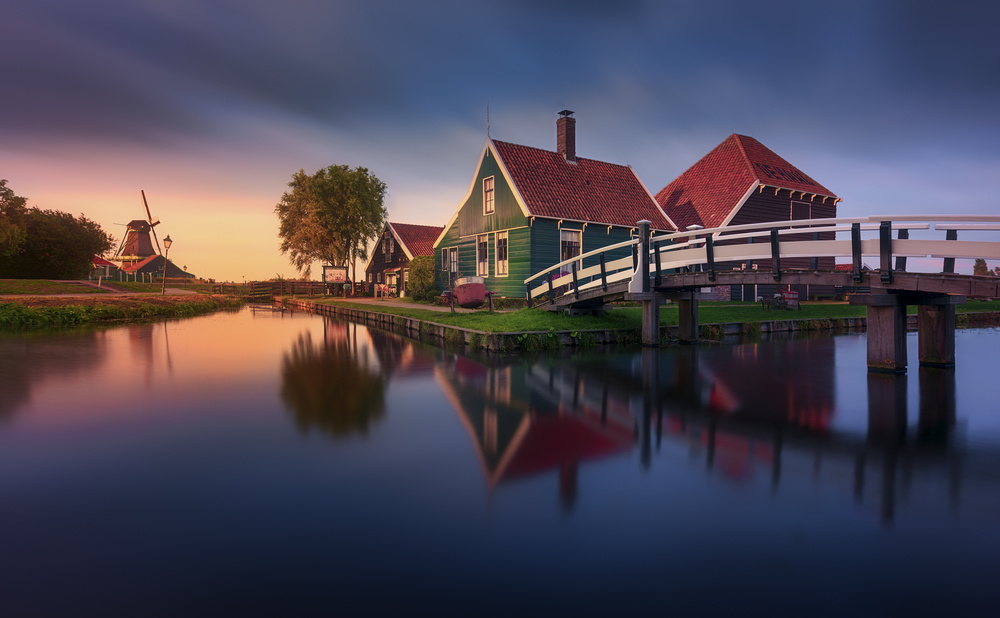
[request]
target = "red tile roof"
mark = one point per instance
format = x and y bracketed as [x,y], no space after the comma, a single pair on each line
[713,187]
[584,190]
[417,239]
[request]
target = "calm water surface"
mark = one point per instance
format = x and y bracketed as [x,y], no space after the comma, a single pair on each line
[268,463]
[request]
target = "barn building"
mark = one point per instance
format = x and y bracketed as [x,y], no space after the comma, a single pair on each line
[739,182]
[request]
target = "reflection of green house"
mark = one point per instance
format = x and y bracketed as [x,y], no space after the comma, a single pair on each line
[526,421]
[528,209]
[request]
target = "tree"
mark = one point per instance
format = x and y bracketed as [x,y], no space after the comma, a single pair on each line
[12,208]
[46,244]
[980,268]
[330,216]
[421,283]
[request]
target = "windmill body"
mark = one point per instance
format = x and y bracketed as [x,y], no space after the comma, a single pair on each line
[137,246]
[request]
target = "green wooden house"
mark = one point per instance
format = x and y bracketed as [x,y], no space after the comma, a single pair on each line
[528,209]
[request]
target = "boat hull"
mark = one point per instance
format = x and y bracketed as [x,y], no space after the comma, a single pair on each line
[470,292]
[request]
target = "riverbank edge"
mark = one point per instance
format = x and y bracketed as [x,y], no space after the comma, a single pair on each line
[426,330]
[109,311]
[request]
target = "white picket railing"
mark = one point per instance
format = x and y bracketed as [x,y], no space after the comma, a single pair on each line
[865,237]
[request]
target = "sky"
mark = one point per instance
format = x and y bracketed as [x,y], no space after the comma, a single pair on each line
[210,106]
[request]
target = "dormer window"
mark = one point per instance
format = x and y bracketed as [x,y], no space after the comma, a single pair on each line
[488,196]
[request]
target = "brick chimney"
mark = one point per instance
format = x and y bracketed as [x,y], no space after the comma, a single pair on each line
[566,135]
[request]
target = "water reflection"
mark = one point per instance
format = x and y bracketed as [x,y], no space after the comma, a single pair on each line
[745,410]
[334,385]
[29,361]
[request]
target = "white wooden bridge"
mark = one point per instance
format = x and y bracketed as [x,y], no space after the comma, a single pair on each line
[678,266]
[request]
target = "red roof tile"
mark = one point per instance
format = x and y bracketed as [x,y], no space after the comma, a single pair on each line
[417,239]
[584,190]
[713,187]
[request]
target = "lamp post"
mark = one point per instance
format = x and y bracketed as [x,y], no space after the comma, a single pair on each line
[166,243]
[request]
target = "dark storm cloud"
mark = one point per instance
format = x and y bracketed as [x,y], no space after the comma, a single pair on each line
[850,71]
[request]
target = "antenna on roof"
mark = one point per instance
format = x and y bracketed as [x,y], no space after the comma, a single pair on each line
[487,119]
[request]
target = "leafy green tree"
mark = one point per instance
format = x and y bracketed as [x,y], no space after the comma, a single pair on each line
[12,208]
[330,216]
[422,278]
[57,245]
[46,244]
[980,268]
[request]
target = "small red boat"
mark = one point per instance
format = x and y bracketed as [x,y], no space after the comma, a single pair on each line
[470,292]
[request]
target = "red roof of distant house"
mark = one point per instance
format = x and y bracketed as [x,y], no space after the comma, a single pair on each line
[582,190]
[711,189]
[417,239]
[99,261]
[138,266]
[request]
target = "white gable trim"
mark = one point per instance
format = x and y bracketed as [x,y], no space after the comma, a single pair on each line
[487,147]
[653,199]
[736,209]
[402,244]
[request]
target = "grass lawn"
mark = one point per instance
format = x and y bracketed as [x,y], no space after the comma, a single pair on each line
[43,286]
[527,320]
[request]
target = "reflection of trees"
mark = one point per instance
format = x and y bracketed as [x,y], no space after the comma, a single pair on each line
[331,388]
[27,360]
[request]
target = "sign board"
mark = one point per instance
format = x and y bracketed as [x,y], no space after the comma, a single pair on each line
[335,274]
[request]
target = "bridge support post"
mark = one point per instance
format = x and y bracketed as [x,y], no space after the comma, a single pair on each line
[936,339]
[886,317]
[687,309]
[887,329]
[650,299]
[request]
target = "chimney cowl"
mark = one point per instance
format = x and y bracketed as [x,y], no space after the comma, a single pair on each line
[566,135]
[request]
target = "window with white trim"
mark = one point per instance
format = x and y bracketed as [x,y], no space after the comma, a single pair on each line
[483,255]
[569,247]
[453,259]
[488,205]
[500,249]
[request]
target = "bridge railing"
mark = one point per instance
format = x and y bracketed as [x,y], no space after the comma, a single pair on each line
[853,237]
[567,273]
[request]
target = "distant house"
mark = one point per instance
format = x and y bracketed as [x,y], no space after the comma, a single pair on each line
[527,209]
[742,181]
[102,268]
[388,264]
[152,266]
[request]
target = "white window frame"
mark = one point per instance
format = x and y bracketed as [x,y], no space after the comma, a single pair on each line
[483,261]
[568,235]
[453,259]
[489,195]
[501,266]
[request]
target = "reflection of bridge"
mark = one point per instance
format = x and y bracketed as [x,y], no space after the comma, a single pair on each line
[666,272]
[557,414]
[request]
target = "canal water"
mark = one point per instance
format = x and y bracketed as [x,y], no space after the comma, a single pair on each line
[276,463]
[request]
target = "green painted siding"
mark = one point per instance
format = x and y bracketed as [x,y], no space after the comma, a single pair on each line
[507,213]
[532,245]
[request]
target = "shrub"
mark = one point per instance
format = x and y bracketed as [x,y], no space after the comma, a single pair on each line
[421,283]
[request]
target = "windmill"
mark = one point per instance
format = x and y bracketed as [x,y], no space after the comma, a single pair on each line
[136,246]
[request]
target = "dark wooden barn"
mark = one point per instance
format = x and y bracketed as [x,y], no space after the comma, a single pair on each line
[742,181]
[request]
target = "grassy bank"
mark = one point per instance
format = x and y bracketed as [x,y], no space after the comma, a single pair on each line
[19,316]
[625,318]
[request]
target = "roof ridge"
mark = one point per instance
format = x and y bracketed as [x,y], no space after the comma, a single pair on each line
[553,152]
[743,151]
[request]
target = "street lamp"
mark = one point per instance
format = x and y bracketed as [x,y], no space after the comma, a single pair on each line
[166,243]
